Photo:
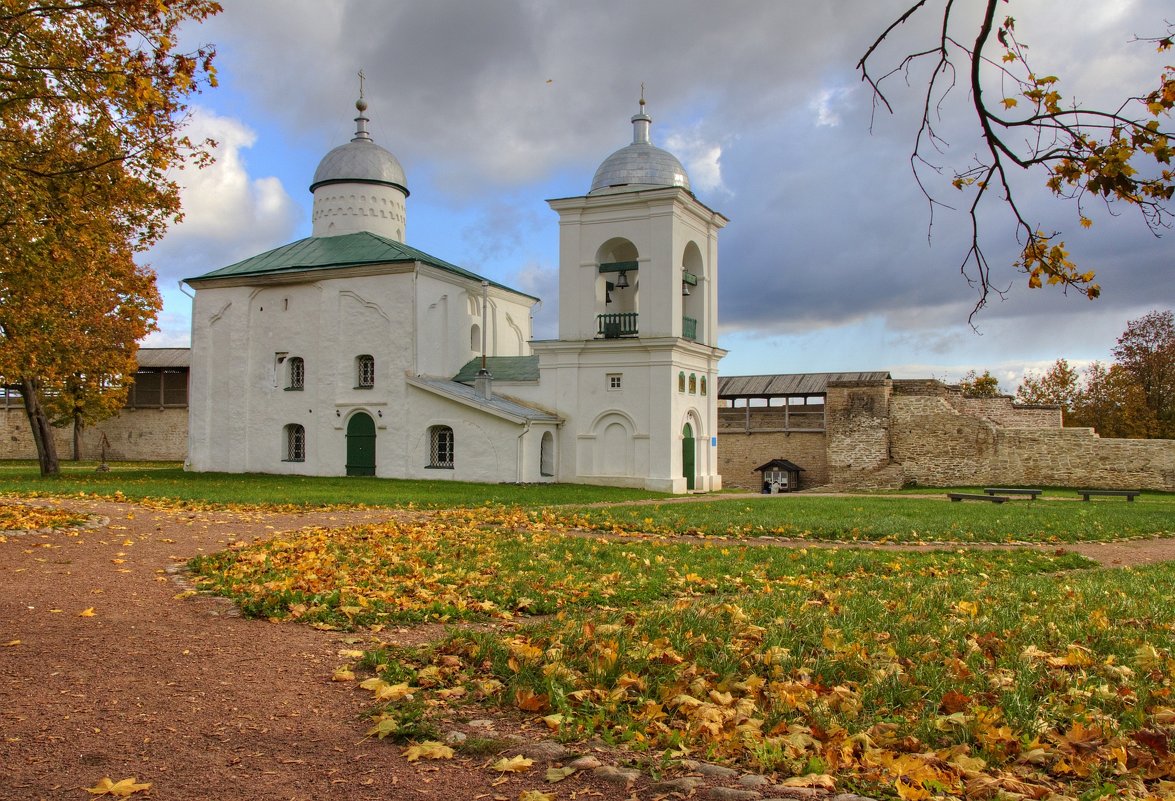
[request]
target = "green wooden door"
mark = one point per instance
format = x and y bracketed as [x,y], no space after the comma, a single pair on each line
[688,453]
[361,445]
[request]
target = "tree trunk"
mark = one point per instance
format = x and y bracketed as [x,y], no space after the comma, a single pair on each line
[42,431]
[77,436]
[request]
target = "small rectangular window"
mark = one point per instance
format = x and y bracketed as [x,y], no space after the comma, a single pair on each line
[365,372]
[614,381]
[441,450]
[295,443]
[297,373]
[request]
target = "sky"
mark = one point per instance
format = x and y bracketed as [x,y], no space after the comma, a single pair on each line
[832,260]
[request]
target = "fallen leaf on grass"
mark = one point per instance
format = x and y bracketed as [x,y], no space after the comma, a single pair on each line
[384,726]
[119,789]
[429,749]
[515,764]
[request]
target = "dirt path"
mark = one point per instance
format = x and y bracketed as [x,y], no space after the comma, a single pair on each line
[202,703]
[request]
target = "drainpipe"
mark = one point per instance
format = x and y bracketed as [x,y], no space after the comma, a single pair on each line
[483,382]
[518,470]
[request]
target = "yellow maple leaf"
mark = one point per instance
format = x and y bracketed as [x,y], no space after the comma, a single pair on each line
[515,764]
[429,749]
[87,612]
[119,789]
[1010,102]
[384,726]
[820,780]
[343,674]
[535,795]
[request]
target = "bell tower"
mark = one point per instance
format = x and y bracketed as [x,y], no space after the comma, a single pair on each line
[637,354]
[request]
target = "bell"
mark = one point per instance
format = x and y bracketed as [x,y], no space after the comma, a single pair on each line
[622,280]
[684,289]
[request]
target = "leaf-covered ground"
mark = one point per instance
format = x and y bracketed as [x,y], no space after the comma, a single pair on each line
[917,675]
[24,517]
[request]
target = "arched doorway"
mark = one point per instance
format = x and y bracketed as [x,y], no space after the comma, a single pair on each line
[361,445]
[688,455]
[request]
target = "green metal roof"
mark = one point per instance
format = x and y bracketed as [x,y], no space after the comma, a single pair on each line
[502,368]
[330,252]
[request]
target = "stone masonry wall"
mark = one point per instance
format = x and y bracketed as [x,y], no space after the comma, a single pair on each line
[133,435]
[941,442]
[858,415]
[739,453]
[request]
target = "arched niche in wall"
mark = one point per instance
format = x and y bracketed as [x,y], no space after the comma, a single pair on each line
[693,303]
[623,296]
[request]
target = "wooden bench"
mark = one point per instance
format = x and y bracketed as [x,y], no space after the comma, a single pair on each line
[1129,495]
[963,496]
[1032,493]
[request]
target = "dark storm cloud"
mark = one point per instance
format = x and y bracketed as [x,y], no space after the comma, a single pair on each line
[490,99]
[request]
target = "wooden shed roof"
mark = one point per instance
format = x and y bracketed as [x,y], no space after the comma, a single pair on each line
[157,358]
[764,386]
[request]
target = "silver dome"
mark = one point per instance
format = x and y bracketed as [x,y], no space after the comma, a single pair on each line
[639,165]
[360,161]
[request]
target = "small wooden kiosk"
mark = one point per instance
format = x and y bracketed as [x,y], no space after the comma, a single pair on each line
[780,475]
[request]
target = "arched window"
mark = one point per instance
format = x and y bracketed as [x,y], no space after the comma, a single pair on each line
[440,447]
[295,443]
[297,373]
[365,372]
[475,338]
[703,385]
[693,383]
[547,454]
[681,382]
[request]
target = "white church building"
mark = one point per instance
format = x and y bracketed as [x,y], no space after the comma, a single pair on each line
[352,353]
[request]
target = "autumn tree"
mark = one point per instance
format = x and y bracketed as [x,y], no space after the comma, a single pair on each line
[1119,154]
[1146,350]
[980,386]
[1060,385]
[1112,403]
[92,107]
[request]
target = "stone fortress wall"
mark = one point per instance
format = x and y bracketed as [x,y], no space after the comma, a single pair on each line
[924,432]
[132,435]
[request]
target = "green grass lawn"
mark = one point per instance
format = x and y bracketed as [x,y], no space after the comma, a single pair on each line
[169,481]
[897,674]
[916,675]
[901,518]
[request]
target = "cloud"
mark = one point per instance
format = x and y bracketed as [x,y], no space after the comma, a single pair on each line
[228,214]
[830,238]
[702,159]
[827,104]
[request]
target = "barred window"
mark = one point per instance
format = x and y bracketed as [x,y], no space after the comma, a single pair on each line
[365,371]
[297,373]
[295,443]
[693,383]
[441,447]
